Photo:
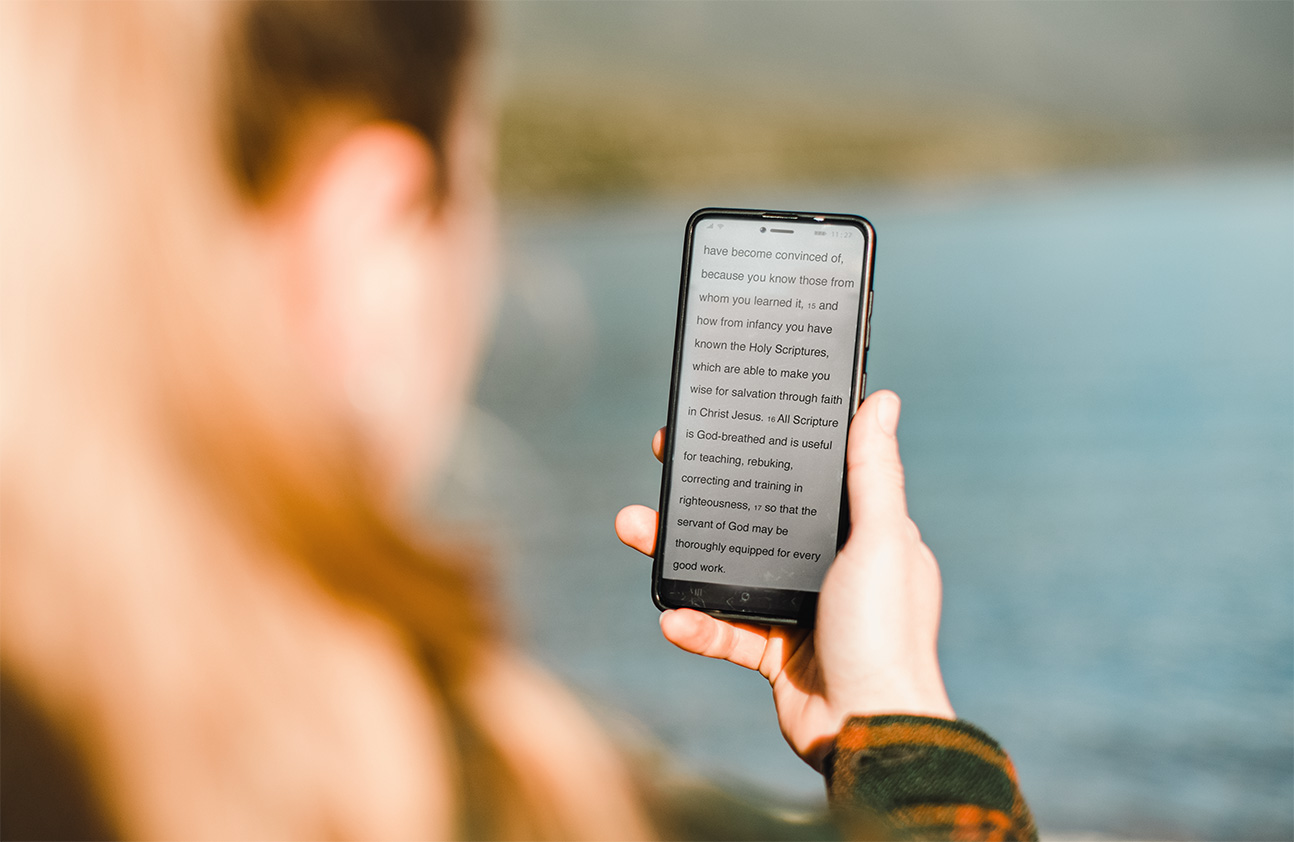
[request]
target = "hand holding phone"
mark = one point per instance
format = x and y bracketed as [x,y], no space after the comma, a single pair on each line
[873,649]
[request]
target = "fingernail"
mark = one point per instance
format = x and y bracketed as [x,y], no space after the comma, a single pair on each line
[887,413]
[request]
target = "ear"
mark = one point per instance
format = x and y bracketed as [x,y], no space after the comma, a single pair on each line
[352,228]
[380,288]
[346,228]
[364,181]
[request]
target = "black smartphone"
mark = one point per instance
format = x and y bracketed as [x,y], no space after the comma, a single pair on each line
[770,359]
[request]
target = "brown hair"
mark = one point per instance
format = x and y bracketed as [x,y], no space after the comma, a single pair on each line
[401,61]
[201,585]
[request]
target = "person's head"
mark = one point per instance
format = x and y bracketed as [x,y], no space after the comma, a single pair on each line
[246,253]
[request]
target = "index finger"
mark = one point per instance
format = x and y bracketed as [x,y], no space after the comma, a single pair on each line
[636,527]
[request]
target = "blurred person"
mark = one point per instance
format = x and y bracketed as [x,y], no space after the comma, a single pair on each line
[246,270]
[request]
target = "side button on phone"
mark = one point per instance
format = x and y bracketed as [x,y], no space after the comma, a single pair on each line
[867,337]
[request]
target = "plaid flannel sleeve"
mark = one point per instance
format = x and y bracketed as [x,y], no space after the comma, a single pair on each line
[915,777]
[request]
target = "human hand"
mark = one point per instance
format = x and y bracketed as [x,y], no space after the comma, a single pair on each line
[874,646]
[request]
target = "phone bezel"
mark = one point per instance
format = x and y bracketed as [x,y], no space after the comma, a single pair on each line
[744,603]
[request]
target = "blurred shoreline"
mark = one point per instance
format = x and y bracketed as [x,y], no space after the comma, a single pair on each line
[643,99]
[558,143]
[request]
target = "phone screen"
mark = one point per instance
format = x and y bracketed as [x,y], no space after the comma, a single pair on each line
[768,371]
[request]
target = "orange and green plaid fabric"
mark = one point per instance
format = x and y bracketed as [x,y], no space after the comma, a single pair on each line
[915,777]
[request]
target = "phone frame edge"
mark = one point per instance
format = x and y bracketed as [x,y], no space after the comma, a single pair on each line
[862,343]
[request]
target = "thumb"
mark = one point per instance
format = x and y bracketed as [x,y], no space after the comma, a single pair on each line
[875,473]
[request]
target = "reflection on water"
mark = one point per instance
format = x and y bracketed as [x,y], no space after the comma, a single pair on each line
[1098,428]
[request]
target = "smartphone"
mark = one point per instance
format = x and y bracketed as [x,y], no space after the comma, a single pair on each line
[770,361]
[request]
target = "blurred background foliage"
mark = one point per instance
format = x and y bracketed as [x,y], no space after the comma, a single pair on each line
[643,97]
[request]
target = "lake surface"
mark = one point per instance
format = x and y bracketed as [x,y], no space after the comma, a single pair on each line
[1098,429]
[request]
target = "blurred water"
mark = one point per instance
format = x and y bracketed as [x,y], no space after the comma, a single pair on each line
[1098,428]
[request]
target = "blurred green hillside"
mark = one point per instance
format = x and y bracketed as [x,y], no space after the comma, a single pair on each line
[649,97]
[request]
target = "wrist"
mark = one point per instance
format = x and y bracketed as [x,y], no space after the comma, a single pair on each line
[907,695]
